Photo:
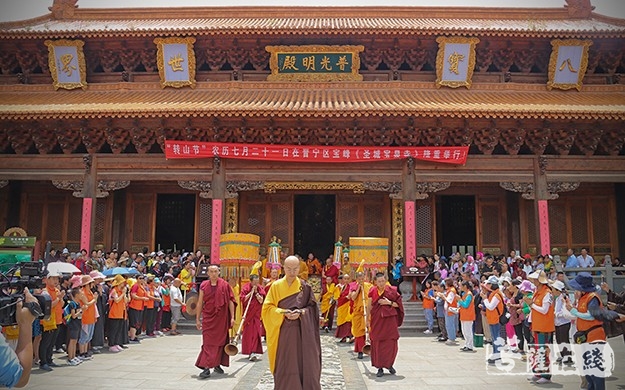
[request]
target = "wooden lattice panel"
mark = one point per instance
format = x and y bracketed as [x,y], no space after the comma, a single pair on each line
[600,225]
[34,220]
[530,215]
[348,220]
[255,223]
[490,225]
[557,223]
[424,224]
[373,219]
[100,221]
[205,220]
[55,222]
[579,223]
[74,220]
[280,223]
[141,222]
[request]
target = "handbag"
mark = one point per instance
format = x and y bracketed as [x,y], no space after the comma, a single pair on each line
[581,336]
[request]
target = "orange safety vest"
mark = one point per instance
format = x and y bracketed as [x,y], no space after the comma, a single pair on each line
[149,304]
[453,303]
[597,334]
[428,303]
[492,316]
[137,304]
[544,323]
[88,316]
[117,310]
[468,314]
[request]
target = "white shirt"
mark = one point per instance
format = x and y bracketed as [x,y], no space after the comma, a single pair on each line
[586,262]
[174,293]
[561,312]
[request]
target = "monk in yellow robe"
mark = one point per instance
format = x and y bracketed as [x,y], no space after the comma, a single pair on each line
[303,270]
[358,294]
[327,305]
[290,315]
[343,314]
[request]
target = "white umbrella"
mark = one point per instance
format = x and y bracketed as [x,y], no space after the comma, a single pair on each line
[61,268]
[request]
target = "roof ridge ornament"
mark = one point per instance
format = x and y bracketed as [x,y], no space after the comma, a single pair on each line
[63,9]
[579,9]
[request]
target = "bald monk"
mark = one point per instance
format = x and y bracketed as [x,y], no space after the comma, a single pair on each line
[387,315]
[291,319]
[214,316]
[358,294]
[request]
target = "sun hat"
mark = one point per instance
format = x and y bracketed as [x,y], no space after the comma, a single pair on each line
[85,279]
[76,281]
[118,280]
[558,285]
[583,282]
[97,275]
[527,286]
[540,275]
[506,279]
[492,280]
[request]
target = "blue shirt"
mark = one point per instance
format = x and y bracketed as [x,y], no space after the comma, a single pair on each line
[571,262]
[10,367]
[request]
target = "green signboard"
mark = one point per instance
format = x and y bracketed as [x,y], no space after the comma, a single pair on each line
[314,63]
[17,242]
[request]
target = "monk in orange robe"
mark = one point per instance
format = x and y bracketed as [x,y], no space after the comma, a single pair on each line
[386,316]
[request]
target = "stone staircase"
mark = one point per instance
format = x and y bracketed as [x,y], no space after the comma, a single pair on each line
[414,319]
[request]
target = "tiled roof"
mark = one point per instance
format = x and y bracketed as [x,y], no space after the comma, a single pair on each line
[313,100]
[314,25]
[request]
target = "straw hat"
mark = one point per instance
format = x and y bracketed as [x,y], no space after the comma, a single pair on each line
[85,279]
[76,281]
[97,275]
[117,280]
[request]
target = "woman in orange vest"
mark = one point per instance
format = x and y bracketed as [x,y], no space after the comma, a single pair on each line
[428,306]
[543,325]
[451,308]
[117,313]
[138,298]
[492,300]
[89,316]
[590,315]
[467,315]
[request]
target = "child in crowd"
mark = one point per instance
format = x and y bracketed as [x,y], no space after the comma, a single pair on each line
[74,325]
[428,306]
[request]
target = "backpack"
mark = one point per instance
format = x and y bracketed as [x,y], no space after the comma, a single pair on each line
[505,316]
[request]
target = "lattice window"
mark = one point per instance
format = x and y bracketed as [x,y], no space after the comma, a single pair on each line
[74,221]
[600,223]
[557,223]
[424,225]
[141,222]
[256,221]
[490,225]
[280,216]
[348,220]
[100,221]
[55,222]
[33,224]
[205,219]
[530,215]
[373,220]
[579,223]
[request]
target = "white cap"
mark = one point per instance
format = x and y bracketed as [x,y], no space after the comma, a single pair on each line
[558,285]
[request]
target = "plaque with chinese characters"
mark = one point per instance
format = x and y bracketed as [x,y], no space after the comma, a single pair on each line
[176,61]
[314,63]
[568,63]
[67,64]
[455,61]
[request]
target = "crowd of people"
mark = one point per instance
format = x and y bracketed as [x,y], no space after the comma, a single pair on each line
[514,303]
[518,303]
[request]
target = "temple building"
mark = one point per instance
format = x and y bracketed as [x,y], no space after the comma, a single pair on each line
[442,128]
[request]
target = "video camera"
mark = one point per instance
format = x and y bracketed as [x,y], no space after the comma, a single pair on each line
[31,276]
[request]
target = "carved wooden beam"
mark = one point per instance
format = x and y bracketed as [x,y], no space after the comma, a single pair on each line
[103,189]
[527,189]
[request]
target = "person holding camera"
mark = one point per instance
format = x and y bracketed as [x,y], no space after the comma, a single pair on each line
[15,366]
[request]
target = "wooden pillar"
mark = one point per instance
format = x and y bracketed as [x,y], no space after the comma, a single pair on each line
[541,206]
[218,187]
[409,194]
[89,196]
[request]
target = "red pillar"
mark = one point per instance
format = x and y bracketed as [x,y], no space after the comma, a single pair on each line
[543,223]
[216,230]
[410,237]
[85,231]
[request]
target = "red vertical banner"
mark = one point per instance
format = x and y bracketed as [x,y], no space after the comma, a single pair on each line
[543,223]
[410,238]
[216,230]
[85,230]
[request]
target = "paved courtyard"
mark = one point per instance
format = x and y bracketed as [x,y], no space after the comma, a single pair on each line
[168,363]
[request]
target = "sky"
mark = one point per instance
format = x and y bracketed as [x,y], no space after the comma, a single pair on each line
[11,10]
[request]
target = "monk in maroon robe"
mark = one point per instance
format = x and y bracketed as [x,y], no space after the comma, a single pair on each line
[329,270]
[216,307]
[252,294]
[386,316]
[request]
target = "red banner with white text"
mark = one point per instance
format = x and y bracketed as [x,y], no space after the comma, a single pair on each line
[314,154]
